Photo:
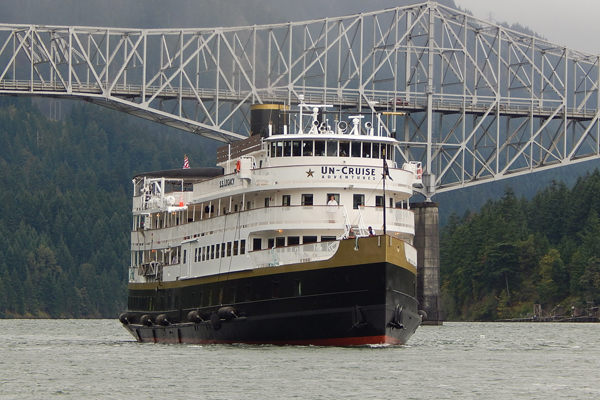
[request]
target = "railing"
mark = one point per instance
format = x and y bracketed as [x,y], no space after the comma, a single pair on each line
[416,101]
[285,217]
[160,203]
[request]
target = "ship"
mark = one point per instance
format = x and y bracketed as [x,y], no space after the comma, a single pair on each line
[301,235]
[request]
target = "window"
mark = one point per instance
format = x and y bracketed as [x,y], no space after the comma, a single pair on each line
[375,150]
[327,238]
[270,243]
[267,202]
[332,148]
[319,147]
[309,239]
[218,250]
[196,254]
[278,149]
[358,200]
[280,242]
[228,249]
[366,150]
[184,256]
[307,148]
[287,148]
[249,205]
[222,250]
[235,248]
[212,251]
[256,244]
[356,149]
[293,240]
[336,197]
[286,200]
[296,148]
[307,199]
[378,201]
[243,246]
[392,203]
[344,149]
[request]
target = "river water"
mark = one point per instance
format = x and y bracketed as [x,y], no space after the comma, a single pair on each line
[97,359]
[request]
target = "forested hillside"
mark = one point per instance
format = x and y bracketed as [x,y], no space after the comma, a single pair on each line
[65,205]
[514,253]
[65,221]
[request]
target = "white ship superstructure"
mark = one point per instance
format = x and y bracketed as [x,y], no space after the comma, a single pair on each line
[299,236]
[270,205]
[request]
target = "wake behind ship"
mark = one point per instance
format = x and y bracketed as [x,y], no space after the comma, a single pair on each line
[294,238]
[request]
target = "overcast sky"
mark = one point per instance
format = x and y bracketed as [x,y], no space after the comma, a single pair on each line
[571,23]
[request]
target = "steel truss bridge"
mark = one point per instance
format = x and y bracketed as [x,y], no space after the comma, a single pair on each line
[471,100]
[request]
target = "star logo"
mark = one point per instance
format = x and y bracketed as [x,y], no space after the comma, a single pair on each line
[309,173]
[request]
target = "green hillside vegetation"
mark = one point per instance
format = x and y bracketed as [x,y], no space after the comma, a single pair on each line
[514,253]
[65,206]
[65,214]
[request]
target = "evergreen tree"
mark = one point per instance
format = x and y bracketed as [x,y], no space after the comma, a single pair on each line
[65,205]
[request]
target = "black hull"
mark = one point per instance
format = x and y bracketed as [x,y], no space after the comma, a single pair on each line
[328,328]
[371,303]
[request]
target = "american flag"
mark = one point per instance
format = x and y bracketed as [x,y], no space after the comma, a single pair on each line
[186,163]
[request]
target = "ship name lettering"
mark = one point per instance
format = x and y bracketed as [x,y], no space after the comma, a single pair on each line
[226,182]
[348,171]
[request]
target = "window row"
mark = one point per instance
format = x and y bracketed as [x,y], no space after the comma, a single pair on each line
[331,148]
[282,241]
[334,199]
[219,250]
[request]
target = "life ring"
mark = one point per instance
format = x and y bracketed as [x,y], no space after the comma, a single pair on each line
[238,166]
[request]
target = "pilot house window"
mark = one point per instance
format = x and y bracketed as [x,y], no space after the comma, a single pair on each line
[307,148]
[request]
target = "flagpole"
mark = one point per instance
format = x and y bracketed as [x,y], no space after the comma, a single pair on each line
[384,173]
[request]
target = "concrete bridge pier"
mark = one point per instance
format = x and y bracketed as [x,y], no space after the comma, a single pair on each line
[427,243]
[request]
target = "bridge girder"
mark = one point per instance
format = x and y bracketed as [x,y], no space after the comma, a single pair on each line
[472,100]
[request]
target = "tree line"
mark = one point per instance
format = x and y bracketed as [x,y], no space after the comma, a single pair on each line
[513,253]
[65,205]
[65,218]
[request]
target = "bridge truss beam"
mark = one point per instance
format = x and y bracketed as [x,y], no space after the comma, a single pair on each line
[472,100]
